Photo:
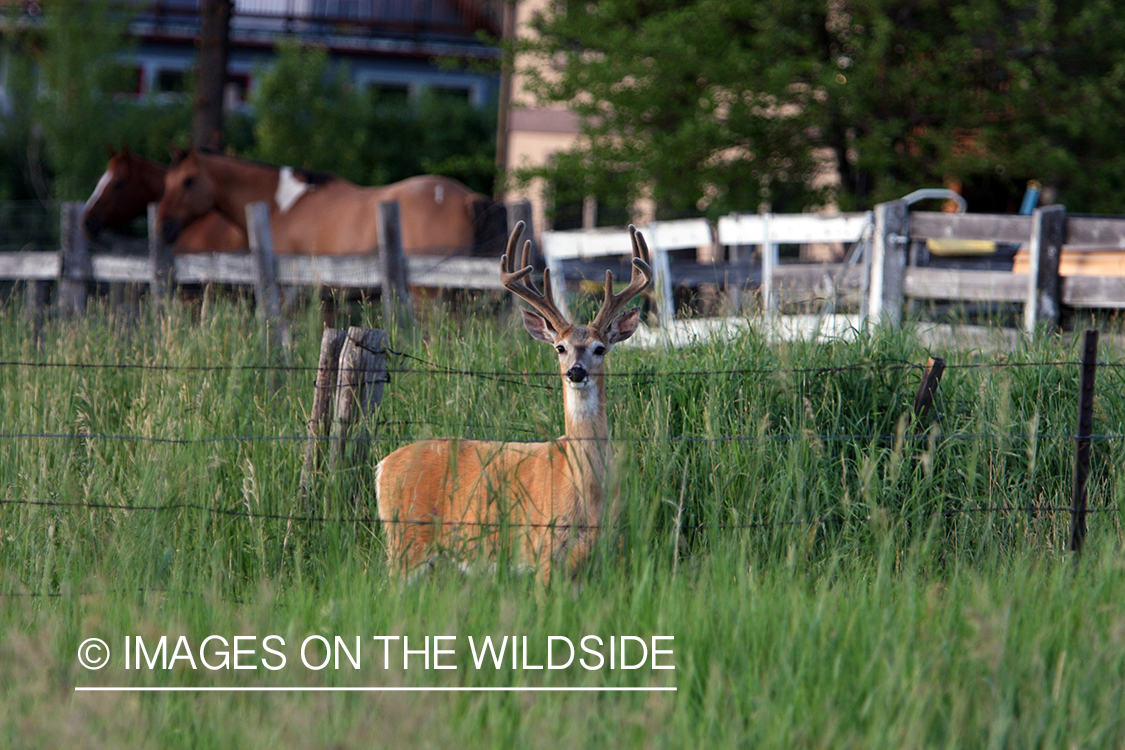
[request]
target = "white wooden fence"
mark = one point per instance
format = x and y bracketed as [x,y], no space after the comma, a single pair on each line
[661,238]
[877,271]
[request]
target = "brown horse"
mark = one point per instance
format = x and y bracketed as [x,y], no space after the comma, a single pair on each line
[322,214]
[123,193]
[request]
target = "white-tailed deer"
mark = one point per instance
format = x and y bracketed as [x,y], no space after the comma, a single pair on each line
[544,502]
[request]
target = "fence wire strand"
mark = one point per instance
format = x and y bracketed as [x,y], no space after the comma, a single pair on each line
[515,377]
[446,523]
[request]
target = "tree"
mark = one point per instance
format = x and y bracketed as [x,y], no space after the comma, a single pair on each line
[447,135]
[79,74]
[211,80]
[309,115]
[719,105]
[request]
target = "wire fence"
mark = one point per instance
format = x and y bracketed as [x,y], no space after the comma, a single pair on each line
[560,525]
[520,379]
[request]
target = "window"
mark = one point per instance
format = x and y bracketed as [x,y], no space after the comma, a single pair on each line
[170,82]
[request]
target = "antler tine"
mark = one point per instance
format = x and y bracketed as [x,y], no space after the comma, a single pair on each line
[640,279]
[514,281]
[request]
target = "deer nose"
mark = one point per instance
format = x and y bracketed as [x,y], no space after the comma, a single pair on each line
[576,374]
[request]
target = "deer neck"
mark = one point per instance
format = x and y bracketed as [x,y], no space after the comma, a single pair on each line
[587,427]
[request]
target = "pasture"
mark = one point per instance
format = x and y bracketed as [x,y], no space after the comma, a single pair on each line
[833,574]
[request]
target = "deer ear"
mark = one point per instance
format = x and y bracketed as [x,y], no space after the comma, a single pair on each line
[538,327]
[623,326]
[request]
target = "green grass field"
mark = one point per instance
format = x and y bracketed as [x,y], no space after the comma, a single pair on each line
[840,576]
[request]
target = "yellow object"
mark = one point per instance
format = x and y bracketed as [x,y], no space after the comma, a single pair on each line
[1078,262]
[960,247]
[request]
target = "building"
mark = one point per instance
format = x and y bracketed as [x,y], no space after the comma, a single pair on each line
[535,133]
[397,46]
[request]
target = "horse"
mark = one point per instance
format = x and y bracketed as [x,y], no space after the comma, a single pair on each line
[123,193]
[318,213]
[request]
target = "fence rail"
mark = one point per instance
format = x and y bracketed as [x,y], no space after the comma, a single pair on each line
[880,274]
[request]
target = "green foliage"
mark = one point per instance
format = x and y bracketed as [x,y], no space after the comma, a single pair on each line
[457,139]
[662,92]
[308,115]
[827,589]
[79,76]
[15,130]
[146,126]
[719,106]
[305,113]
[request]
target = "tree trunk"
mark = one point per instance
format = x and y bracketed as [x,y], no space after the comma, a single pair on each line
[214,48]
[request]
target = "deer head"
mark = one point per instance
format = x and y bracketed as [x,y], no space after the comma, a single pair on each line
[581,349]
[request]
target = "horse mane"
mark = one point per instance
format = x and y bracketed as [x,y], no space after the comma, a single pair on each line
[314,177]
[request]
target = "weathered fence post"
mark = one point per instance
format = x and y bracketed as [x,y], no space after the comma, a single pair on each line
[927,389]
[1048,231]
[396,297]
[266,292]
[76,269]
[163,263]
[737,254]
[36,293]
[1082,439]
[359,388]
[521,211]
[769,263]
[888,262]
[323,407]
[662,270]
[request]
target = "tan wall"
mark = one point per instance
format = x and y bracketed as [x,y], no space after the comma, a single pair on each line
[534,133]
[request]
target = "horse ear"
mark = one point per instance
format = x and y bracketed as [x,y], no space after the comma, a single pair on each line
[178,154]
[109,150]
[125,151]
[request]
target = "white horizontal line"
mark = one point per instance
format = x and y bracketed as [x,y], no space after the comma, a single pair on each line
[296,689]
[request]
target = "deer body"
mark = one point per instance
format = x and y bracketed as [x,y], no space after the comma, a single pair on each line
[545,502]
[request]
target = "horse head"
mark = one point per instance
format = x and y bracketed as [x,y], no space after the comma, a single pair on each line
[189,193]
[122,194]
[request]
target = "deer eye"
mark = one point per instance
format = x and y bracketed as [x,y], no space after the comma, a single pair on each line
[599,350]
[560,349]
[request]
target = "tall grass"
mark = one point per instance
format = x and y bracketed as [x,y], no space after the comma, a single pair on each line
[834,573]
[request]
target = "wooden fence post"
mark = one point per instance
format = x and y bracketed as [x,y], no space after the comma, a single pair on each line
[1082,439]
[396,297]
[927,389]
[521,211]
[359,389]
[662,270]
[769,263]
[76,269]
[163,264]
[323,407]
[36,294]
[266,292]
[888,262]
[1048,231]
